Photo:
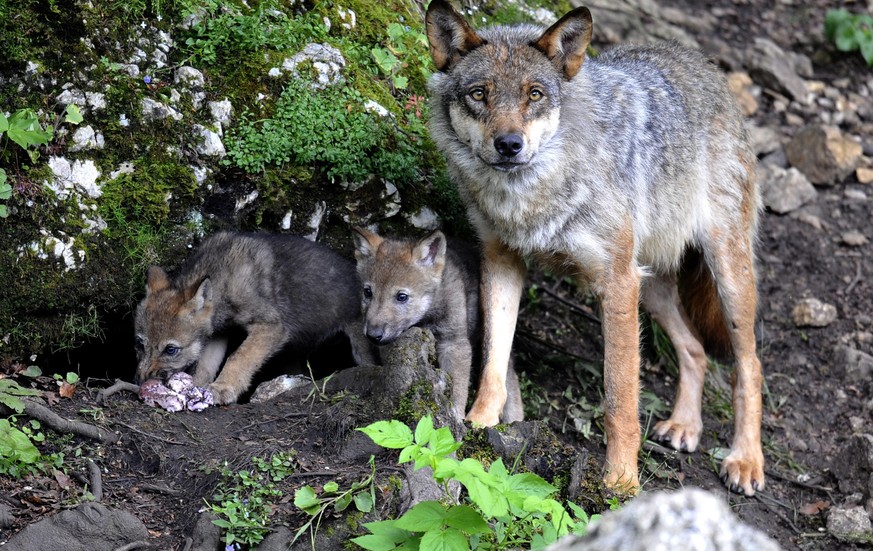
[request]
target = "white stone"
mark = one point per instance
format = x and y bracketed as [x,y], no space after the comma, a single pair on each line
[315,220]
[80,176]
[374,107]
[221,112]
[132,69]
[200,173]
[348,17]
[326,60]
[243,202]
[96,100]
[274,72]
[74,96]
[86,138]
[425,219]
[189,76]
[124,168]
[207,142]
[154,111]
[286,220]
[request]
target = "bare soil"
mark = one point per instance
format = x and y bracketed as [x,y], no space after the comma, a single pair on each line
[166,465]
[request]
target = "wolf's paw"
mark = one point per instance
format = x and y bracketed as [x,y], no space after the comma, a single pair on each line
[622,479]
[743,472]
[480,417]
[679,436]
[223,393]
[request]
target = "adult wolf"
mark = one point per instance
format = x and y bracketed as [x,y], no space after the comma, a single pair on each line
[281,289]
[434,284]
[626,170]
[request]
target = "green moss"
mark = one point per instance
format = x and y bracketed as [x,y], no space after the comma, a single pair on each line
[416,403]
[477,446]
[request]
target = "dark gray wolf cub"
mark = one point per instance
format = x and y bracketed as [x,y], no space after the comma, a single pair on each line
[432,284]
[282,290]
[624,170]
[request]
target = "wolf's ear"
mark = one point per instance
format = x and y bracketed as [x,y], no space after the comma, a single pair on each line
[565,42]
[449,35]
[366,243]
[156,280]
[431,250]
[203,296]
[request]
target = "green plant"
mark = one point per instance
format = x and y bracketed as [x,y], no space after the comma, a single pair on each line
[243,499]
[405,53]
[850,32]
[505,510]
[18,454]
[23,128]
[327,128]
[362,494]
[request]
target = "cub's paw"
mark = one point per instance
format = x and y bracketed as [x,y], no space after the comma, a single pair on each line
[743,472]
[223,393]
[679,436]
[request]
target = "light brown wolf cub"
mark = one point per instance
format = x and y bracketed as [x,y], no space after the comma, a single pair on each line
[431,284]
[624,170]
[282,290]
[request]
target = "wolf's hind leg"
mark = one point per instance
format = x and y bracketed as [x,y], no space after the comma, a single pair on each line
[263,340]
[731,262]
[660,297]
[210,361]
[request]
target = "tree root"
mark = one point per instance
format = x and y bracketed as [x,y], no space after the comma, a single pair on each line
[59,424]
[117,387]
[96,480]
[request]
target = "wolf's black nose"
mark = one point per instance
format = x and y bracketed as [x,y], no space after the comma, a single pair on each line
[375,335]
[509,145]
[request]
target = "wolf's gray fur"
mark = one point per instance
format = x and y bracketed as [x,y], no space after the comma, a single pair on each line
[612,169]
[282,290]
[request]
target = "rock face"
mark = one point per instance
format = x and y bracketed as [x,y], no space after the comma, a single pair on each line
[689,519]
[88,527]
[784,190]
[811,312]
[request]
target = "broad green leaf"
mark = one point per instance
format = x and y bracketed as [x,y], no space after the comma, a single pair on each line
[221,523]
[4,123]
[424,430]
[427,515]
[400,82]
[409,453]
[73,116]
[331,487]
[72,378]
[833,19]
[15,445]
[443,442]
[342,502]
[389,434]
[867,50]
[846,38]
[530,484]
[12,402]
[466,519]
[388,529]
[32,371]
[305,498]
[372,542]
[364,502]
[444,540]
[4,212]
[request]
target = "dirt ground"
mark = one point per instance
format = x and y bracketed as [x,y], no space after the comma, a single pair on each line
[167,464]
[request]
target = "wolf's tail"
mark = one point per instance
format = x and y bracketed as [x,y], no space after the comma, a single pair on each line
[701,302]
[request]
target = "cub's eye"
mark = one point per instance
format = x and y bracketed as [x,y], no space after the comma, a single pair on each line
[535,95]
[171,350]
[139,343]
[477,94]
[402,297]
[368,291]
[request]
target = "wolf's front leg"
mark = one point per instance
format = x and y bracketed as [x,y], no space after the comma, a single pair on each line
[263,340]
[621,375]
[503,273]
[210,361]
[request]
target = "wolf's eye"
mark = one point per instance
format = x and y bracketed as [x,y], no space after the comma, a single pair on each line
[368,292]
[171,350]
[535,95]
[139,343]
[402,297]
[478,94]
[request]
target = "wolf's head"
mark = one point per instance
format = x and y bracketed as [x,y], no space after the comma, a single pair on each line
[502,87]
[172,326]
[399,281]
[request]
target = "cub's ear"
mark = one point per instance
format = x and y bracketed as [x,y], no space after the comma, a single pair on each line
[203,296]
[449,35]
[156,280]
[565,42]
[366,243]
[431,250]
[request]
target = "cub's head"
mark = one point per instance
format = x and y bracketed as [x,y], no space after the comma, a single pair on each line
[399,281]
[172,326]
[501,88]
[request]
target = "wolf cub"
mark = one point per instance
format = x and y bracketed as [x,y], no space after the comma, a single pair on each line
[432,284]
[282,290]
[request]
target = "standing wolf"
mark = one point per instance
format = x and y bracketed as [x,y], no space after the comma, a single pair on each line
[282,290]
[432,284]
[626,170]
